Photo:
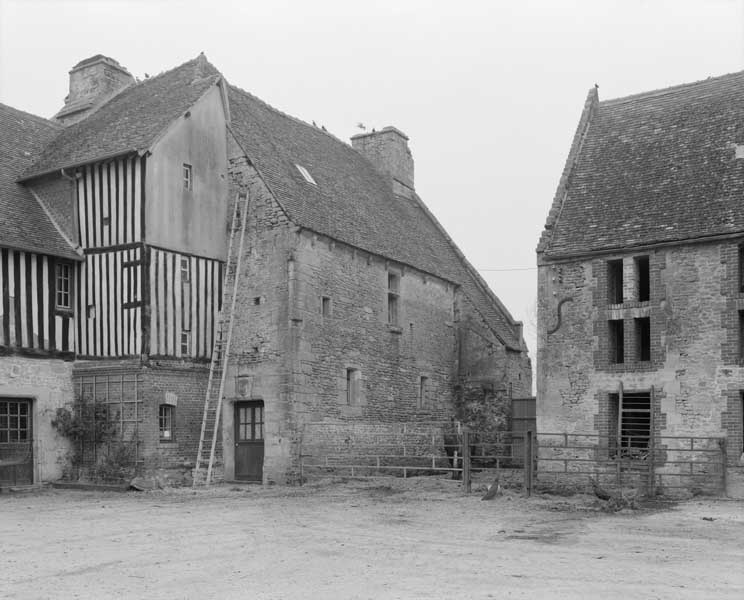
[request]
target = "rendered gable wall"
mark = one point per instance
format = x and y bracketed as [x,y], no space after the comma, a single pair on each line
[182,220]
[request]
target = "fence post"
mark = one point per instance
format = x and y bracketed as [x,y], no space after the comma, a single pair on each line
[528,440]
[466,460]
[302,458]
[724,462]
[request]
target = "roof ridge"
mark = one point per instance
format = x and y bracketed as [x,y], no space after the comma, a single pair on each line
[44,120]
[473,272]
[670,89]
[288,116]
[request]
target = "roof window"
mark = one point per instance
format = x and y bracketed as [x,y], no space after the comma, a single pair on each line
[306,174]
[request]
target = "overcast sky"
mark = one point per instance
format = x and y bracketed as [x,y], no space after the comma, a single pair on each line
[489,92]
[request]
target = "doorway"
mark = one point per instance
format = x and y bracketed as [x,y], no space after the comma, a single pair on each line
[16,442]
[249,440]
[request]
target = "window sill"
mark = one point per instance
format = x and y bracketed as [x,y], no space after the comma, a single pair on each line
[395,329]
[166,441]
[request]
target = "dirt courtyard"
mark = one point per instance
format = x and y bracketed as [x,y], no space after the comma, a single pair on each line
[383,538]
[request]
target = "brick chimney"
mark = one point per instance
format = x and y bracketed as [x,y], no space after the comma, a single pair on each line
[388,151]
[93,81]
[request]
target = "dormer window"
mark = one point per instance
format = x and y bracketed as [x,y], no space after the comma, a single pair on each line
[188,177]
[306,174]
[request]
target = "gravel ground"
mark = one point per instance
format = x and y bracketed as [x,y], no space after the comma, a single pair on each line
[382,538]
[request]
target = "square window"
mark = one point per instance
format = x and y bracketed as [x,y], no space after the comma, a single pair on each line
[325,307]
[188,178]
[185,270]
[643,338]
[616,341]
[185,342]
[643,274]
[62,295]
[166,421]
[393,297]
[130,283]
[615,281]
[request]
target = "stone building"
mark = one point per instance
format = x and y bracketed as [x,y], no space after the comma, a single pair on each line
[354,304]
[641,271]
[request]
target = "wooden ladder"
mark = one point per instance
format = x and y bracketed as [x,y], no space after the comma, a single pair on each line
[205,456]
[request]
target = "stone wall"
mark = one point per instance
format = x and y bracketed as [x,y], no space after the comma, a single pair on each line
[695,363]
[180,384]
[48,383]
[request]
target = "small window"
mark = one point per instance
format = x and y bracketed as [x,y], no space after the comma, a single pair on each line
[63,290]
[188,177]
[325,306]
[185,342]
[306,174]
[741,268]
[393,298]
[643,339]
[257,300]
[166,422]
[616,341]
[422,391]
[91,311]
[185,270]
[644,278]
[615,281]
[250,423]
[130,284]
[352,387]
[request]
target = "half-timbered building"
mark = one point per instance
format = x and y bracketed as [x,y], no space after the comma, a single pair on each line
[353,306]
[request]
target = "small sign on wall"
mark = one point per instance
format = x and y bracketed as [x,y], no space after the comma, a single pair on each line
[244,386]
[171,398]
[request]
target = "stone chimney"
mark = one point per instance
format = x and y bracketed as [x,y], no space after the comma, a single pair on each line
[388,151]
[93,81]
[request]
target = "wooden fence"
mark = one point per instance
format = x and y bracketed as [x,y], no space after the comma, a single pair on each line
[656,465]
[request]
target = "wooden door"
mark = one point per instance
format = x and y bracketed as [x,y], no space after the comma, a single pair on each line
[249,440]
[16,442]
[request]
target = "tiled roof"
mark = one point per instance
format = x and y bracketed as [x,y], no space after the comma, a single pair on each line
[131,120]
[352,202]
[24,225]
[653,168]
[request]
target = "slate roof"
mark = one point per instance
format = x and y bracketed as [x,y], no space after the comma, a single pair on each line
[131,121]
[352,202]
[24,225]
[653,168]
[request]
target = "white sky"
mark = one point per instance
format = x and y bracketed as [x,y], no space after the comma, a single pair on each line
[489,92]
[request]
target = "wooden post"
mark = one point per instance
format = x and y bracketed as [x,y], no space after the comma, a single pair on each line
[724,462]
[528,440]
[302,458]
[466,460]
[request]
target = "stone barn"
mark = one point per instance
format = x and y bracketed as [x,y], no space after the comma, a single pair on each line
[641,276]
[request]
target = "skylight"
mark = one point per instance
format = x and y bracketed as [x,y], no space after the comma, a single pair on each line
[306,174]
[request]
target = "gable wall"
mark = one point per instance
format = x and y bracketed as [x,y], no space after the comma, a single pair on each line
[695,367]
[193,221]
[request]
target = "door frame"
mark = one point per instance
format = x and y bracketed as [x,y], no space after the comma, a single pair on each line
[237,405]
[30,439]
